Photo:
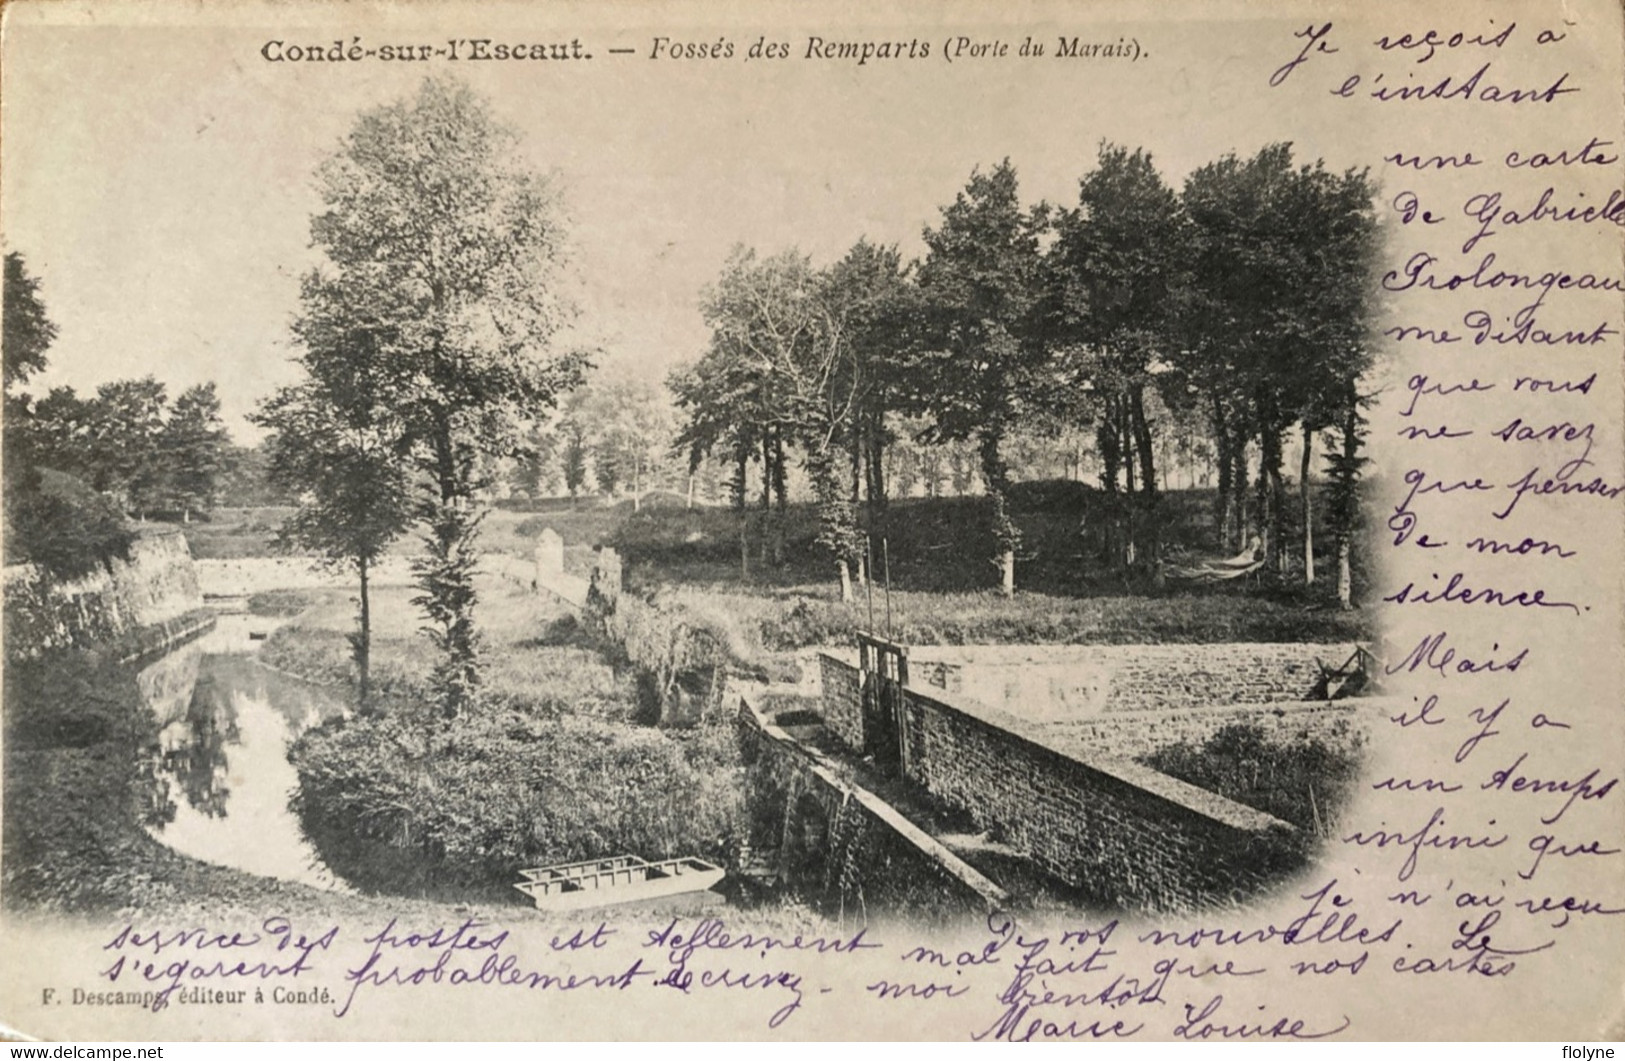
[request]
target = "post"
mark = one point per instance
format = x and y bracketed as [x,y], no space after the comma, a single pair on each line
[885,560]
[869,584]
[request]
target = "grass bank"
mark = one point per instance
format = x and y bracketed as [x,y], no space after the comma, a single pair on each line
[550,767]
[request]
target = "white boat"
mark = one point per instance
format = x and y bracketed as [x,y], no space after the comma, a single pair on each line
[613,881]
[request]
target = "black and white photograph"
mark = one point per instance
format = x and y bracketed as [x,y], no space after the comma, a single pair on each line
[1079,522]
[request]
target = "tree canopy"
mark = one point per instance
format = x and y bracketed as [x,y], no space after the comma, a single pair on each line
[1194,325]
[442,289]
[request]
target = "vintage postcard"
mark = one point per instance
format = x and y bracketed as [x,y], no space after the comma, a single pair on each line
[1090,521]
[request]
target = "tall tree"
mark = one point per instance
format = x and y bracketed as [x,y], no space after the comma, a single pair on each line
[1334,307]
[445,251]
[126,426]
[60,426]
[535,472]
[1345,462]
[754,386]
[629,422]
[28,331]
[194,445]
[1278,316]
[1116,263]
[573,454]
[341,450]
[979,282]
[871,308]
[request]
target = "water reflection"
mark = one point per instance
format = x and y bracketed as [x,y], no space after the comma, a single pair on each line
[193,748]
[225,723]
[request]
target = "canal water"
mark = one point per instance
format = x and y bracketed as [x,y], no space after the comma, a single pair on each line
[226,721]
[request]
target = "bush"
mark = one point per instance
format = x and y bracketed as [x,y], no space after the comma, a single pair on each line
[394,808]
[283,603]
[57,522]
[1302,780]
[79,785]
[319,655]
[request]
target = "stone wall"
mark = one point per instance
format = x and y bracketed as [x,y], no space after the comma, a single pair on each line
[131,608]
[842,700]
[258,574]
[1343,725]
[1123,834]
[843,848]
[1054,681]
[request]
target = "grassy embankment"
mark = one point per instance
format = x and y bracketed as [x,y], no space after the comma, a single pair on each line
[941,580]
[550,767]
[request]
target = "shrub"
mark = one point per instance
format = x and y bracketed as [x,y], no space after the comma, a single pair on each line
[283,603]
[59,523]
[79,784]
[394,808]
[1301,779]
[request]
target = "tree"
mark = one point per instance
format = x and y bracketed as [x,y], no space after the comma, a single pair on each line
[28,332]
[573,454]
[195,447]
[979,283]
[749,392]
[124,436]
[1344,466]
[629,425]
[445,253]
[1277,315]
[873,308]
[535,471]
[59,426]
[1335,305]
[341,450]
[1117,261]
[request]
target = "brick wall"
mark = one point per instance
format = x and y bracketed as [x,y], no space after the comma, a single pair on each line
[1123,834]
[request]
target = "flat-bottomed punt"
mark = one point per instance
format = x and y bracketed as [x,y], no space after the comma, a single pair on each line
[623,879]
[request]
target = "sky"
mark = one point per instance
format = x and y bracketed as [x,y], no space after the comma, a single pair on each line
[158,179]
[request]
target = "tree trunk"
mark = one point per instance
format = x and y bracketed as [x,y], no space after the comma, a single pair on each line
[363,643]
[1226,459]
[1144,538]
[1142,440]
[767,473]
[781,492]
[1242,485]
[741,475]
[1125,444]
[1345,580]
[877,465]
[1106,439]
[846,581]
[1308,513]
[1005,534]
[1271,493]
